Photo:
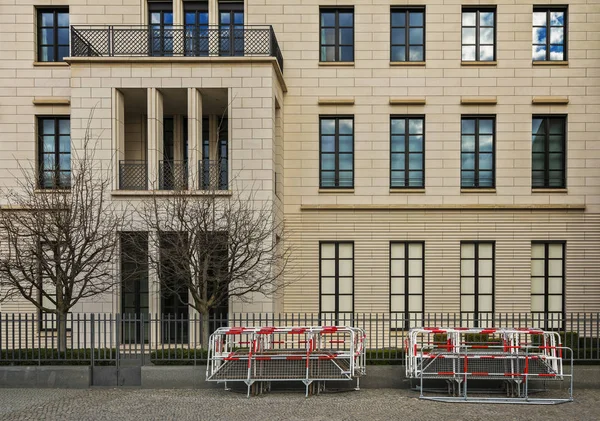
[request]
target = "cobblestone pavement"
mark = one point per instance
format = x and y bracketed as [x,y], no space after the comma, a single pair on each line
[366,405]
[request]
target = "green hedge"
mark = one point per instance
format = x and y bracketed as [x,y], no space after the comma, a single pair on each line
[49,356]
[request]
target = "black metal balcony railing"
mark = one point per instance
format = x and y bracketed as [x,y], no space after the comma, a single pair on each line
[213,175]
[173,175]
[133,175]
[172,40]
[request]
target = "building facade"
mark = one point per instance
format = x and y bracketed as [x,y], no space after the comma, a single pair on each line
[425,155]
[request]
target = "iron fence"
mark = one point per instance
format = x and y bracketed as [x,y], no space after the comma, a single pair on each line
[213,174]
[106,339]
[173,175]
[174,41]
[133,175]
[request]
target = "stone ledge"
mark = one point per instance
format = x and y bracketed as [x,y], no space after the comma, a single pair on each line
[479,100]
[408,101]
[336,101]
[550,100]
[476,207]
[43,100]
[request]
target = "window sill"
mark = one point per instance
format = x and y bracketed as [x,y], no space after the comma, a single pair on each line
[550,63]
[478,63]
[50,64]
[548,190]
[337,63]
[403,190]
[408,63]
[476,190]
[50,191]
[336,191]
[163,193]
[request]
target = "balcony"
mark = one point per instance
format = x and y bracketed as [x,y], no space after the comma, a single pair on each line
[174,41]
[133,175]
[173,175]
[213,175]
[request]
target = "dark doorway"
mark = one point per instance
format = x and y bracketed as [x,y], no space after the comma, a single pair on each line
[134,287]
[173,290]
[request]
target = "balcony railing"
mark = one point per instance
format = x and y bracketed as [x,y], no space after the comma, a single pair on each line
[213,175]
[133,175]
[174,41]
[173,175]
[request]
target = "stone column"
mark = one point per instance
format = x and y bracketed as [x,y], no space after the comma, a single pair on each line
[118,133]
[155,135]
[194,135]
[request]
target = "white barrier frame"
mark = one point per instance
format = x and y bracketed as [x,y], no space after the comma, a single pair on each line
[265,356]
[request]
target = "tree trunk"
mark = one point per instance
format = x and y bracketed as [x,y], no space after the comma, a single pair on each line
[62,332]
[205,329]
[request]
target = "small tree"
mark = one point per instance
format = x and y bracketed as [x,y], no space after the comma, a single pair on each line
[59,244]
[216,247]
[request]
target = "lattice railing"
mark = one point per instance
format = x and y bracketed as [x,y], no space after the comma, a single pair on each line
[133,175]
[173,175]
[213,175]
[172,40]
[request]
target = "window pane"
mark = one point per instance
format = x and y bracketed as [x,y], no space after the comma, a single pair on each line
[346,126]
[63,52]
[416,36]
[415,303]
[539,18]
[485,162]
[398,36]
[415,267]
[47,36]
[398,126]
[345,161]
[347,53]
[557,52]
[327,267]
[345,251]
[555,251]
[327,18]
[467,251]
[486,18]
[537,303]
[397,303]
[537,251]
[555,285]
[345,286]
[468,36]
[397,250]
[468,126]
[47,18]
[537,268]
[467,268]
[468,161]
[486,143]
[64,126]
[556,143]
[63,36]
[469,18]
[486,286]
[486,126]
[346,36]
[398,144]
[397,286]
[327,126]
[328,36]
[555,303]
[327,285]
[486,36]
[415,178]
[346,179]
[537,285]
[557,18]
[328,162]
[557,126]
[416,53]
[397,267]
[486,268]
[415,285]
[346,19]
[327,303]
[345,303]
[64,162]
[467,303]
[468,53]
[485,251]
[485,303]
[467,285]
[486,53]
[416,18]
[398,18]
[345,268]
[327,143]
[346,144]
[555,268]
[327,251]
[399,53]
[539,143]
[415,251]
[48,143]
[538,52]
[556,161]
[327,53]
[468,143]
[539,35]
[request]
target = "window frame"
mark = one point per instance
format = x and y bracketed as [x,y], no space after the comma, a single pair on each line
[406,151]
[478,10]
[336,152]
[546,118]
[40,152]
[55,27]
[337,43]
[546,260]
[476,152]
[476,312]
[406,294]
[548,44]
[407,10]
[336,313]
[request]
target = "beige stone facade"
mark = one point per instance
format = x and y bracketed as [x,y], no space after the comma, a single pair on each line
[274,137]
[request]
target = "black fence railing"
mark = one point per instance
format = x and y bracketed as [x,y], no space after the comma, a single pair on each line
[133,175]
[104,339]
[173,40]
[173,175]
[213,175]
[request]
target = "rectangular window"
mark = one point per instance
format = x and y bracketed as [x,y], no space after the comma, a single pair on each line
[407,283]
[337,34]
[477,283]
[54,152]
[336,281]
[53,34]
[134,286]
[549,34]
[407,147]
[161,28]
[196,28]
[477,152]
[407,34]
[548,152]
[337,152]
[479,34]
[547,284]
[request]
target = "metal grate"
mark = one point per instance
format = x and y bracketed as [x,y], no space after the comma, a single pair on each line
[133,175]
[173,40]
[213,175]
[173,175]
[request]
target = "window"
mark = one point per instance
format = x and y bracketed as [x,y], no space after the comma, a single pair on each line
[161,25]
[337,152]
[477,152]
[549,34]
[134,286]
[477,283]
[336,281]
[406,285]
[53,34]
[547,283]
[407,137]
[54,152]
[231,29]
[408,34]
[196,28]
[548,151]
[478,34]
[337,35]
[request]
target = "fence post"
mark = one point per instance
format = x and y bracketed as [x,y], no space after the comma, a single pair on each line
[92,345]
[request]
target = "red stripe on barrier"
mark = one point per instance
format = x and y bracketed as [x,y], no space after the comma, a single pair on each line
[480,373]
[278,342]
[297,331]
[294,357]
[266,330]
[341,341]
[231,358]
[437,331]
[547,375]
[431,328]
[487,356]
[326,357]
[329,329]
[262,358]
[526,370]
[488,331]
[445,373]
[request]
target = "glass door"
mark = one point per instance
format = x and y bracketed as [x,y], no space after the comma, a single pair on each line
[231,29]
[161,29]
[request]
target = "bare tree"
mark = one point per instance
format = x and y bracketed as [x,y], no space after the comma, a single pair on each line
[59,244]
[215,247]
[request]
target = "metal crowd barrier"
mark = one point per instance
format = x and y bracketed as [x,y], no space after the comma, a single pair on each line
[519,358]
[273,354]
